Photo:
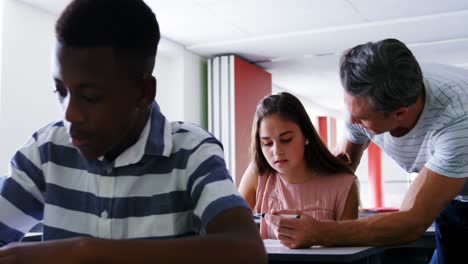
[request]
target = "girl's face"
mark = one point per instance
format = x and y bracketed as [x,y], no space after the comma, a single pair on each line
[282,143]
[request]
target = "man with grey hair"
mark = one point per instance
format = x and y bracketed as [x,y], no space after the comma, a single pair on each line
[420,119]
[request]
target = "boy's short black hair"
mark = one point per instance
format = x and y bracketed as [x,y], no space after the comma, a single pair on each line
[127,26]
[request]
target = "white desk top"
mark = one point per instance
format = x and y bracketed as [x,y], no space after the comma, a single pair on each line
[277,252]
[430,230]
[33,236]
[275,247]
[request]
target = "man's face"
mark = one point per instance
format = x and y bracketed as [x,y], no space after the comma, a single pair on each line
[361,112]
[100,107]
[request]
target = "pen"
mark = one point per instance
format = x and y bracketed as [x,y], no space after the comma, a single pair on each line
[290,215]
[261,215]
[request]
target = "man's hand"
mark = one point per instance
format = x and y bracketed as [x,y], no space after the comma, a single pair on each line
[62,251]
[293,232]
[350,153]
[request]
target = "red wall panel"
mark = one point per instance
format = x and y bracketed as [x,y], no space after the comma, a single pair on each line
[251,84]
[323,129]
[375,173]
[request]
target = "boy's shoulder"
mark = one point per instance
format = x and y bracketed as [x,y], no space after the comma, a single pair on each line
[55,131]
[186,135]
[188,130]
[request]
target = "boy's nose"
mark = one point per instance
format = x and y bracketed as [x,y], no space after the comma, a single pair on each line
[73,112]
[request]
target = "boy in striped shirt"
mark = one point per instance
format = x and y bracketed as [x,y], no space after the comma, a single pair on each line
[115,182]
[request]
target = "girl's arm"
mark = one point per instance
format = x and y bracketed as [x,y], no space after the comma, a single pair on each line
[351,208]
[248,185]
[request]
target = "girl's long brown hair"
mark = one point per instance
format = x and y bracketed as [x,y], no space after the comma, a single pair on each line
[316,154]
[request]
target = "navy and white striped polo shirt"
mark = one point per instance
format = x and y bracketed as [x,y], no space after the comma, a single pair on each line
[169,184]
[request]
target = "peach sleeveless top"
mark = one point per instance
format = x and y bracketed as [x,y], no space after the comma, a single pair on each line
[322,197]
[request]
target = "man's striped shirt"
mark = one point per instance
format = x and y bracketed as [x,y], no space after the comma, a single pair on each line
[169,184]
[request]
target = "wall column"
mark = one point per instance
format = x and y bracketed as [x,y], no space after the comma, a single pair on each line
[327,131]
[235,87]
[375,173]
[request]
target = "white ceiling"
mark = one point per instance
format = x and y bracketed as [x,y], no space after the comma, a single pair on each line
[300,41]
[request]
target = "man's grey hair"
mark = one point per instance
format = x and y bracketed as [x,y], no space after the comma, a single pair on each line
[384,72]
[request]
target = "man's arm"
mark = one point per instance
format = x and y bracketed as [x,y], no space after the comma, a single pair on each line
[351,153]
[428,195]
[232,237]
[248,185]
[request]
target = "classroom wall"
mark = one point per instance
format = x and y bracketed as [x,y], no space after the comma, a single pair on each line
[182,83]
[26,98]
[1,45]
[27,101]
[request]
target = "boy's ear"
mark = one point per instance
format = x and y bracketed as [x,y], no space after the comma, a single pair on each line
[400,113]
[148,92]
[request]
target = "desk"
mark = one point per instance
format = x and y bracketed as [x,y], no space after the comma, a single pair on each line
[418,251]
[427,240]
[32,236]
[278,253]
